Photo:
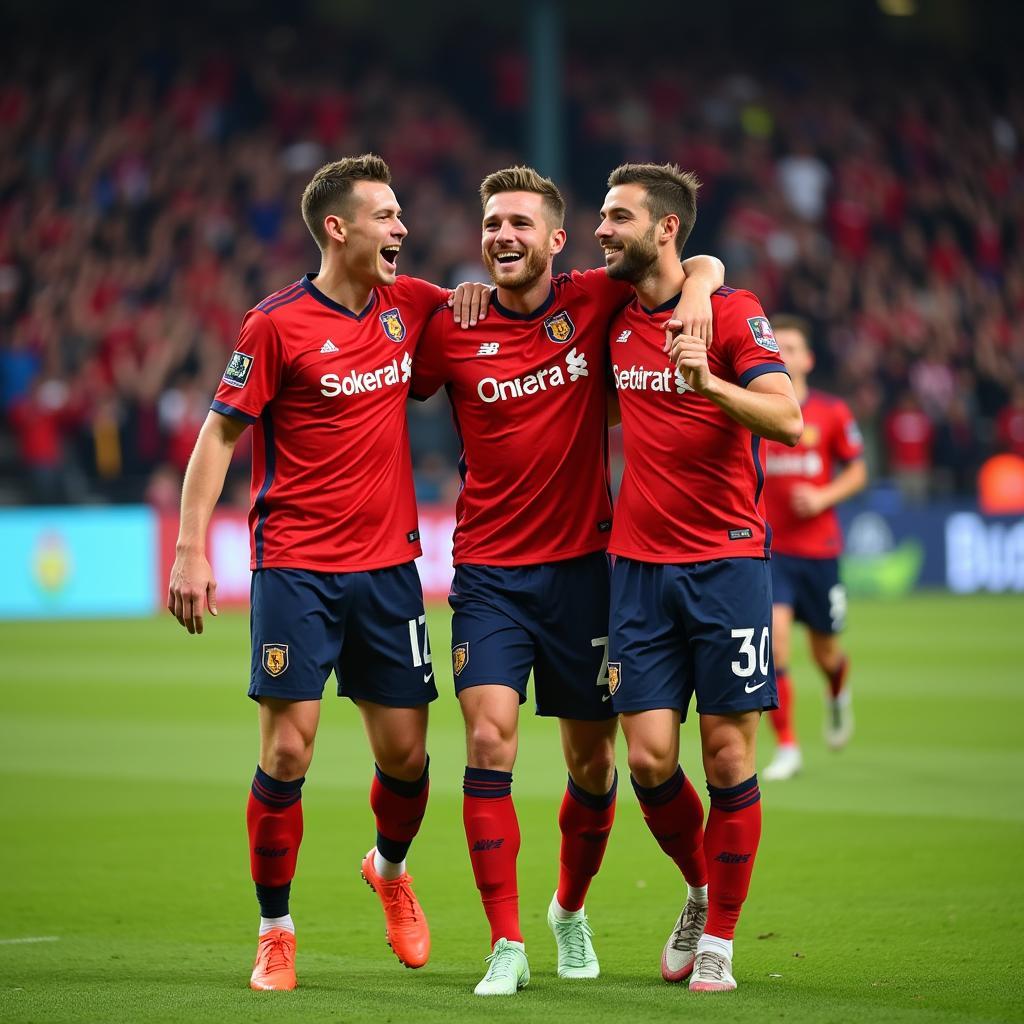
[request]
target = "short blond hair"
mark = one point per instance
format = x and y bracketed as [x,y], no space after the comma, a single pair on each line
[525,179]
[331,189]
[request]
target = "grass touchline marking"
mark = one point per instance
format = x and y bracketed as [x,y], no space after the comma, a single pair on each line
[28,939]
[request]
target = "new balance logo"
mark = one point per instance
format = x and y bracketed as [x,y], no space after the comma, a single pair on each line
[488,348]
[576,363]
[270,851]
[487,844]
[725,857]
[328,346]
[623,337]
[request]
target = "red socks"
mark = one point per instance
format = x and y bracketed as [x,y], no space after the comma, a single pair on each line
[782,717]
[398,807]
[586,822]
[492,833]
[674,815]
[730,845]
[274,819]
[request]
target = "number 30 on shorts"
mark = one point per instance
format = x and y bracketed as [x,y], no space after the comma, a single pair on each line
[751,659]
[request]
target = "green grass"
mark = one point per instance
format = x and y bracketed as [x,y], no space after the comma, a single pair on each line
[888,886]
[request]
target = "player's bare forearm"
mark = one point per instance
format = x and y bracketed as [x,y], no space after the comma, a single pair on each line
[766,407]
[191,587]
[850,480]
[708,270]
[204,478]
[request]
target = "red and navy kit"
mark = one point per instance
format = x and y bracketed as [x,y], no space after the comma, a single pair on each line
[325,387]
[691,488]
[830,438]
[529,398]
[691,590]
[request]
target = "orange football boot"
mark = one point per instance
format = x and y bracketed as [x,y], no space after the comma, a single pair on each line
[275,961]
[407,932]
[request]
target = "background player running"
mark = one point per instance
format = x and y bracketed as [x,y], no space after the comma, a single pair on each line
[803,487]
[528,392]
[691,591]
[322,371]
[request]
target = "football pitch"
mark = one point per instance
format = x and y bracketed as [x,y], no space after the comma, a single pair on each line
[888,885]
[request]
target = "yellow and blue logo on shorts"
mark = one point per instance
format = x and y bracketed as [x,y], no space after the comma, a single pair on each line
[460,657]
[391,321]
[614,675]
[275,659]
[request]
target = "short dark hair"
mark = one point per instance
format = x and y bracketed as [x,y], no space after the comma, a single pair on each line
[792,322]
[669,190]
[525,179]
[331,189]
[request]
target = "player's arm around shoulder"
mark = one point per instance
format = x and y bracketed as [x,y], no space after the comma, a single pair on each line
[192,587]
[694,315]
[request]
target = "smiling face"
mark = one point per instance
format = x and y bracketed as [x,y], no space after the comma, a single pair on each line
[627,234]
[519,241]
[372,232]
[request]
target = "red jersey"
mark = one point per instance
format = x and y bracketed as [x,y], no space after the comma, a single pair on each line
[332,486]
[691,488]
[830,437]
[529,398]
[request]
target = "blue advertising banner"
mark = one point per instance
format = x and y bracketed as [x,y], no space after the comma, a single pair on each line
[77,562]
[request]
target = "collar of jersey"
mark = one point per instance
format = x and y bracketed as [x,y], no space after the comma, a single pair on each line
[538,312]
[314,292]
[665,307]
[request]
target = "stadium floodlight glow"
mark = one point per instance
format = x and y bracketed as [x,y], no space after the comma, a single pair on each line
[898,8]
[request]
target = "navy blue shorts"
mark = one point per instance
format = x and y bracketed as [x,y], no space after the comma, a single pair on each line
[811,587]
[368,627]
[552,618]
[679,630]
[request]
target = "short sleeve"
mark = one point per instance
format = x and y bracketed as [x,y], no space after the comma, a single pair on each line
[429,367]
[254,372]
[847,442]
[748,338]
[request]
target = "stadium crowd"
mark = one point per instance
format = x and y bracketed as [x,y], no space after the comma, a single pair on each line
[147,201]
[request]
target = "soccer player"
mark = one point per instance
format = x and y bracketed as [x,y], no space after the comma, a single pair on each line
[801,492]
[322,372]
[691,591]
[529,397]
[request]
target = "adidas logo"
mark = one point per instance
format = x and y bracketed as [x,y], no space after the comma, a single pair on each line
[328,346]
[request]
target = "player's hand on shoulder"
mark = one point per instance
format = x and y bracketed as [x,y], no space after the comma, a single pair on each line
[689,353]
[191,590]
[470,302]
[693,316]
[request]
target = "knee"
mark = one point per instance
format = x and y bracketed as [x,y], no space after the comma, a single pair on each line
[490,746]
[728,763]
[651,766]
[286,758]
[595,770]
[405,762]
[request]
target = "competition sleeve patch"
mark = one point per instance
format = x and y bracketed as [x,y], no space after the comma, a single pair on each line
[237,372]
[763,334]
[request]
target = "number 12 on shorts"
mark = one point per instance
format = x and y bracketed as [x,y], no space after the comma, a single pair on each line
[752,659]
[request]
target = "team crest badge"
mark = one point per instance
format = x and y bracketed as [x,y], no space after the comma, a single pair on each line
[391,321]
[460,657]
[614,675]
[560,328]
[762,331]
[237,372]
[275,658]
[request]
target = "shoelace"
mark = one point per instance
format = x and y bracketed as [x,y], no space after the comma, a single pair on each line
[693,918]
[575,934]
[710,963]
[276,954]
[398,898]
[500,960]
